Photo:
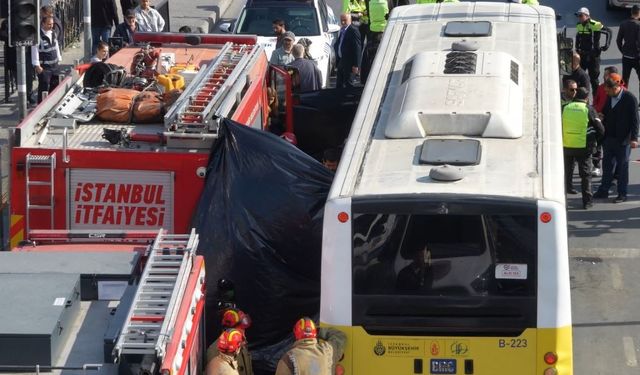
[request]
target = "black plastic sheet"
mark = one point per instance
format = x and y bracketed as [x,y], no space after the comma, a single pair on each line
[260,224]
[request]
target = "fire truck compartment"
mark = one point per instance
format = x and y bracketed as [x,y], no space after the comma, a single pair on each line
[103,275]
[37,312]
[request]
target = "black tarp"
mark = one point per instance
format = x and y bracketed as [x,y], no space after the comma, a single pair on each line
[260,224]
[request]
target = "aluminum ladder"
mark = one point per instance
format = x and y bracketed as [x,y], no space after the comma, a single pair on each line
[39,161]
[195,114]
[155,305]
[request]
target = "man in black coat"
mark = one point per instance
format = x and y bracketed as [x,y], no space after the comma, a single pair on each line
[348,49]
[104,17]
[578,74]
[620,119]
[628,42]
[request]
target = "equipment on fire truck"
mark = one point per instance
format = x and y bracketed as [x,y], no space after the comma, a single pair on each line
[214,91]
[144,62]
[155,305]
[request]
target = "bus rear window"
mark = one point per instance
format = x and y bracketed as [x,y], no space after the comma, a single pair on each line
[444,255]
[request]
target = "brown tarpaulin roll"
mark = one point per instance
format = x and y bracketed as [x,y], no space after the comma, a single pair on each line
[148,107]
[114,105]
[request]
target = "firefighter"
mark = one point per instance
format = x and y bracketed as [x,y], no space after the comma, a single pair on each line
[225,362]
[233,318]
[588,33]
[310,356]
[378,14]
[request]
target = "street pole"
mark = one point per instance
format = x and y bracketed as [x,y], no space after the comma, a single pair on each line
[88,42]
[22,81]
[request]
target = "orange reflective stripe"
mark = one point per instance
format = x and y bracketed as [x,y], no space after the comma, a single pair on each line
[16,230]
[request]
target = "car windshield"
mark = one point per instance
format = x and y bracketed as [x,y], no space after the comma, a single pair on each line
[302,21]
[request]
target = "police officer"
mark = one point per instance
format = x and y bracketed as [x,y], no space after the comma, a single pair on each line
[225,363]
[580,126]
[588,33]
[310,356]
[45,57]
[378,14]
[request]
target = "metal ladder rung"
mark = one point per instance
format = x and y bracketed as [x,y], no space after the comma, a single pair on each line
[165,270]
[143,326]
[160,278]
[140,345]
[154,301]
[38,207]
[38,183]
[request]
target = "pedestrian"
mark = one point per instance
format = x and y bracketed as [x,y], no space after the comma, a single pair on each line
[599,100]
[580,128]
[278,30]
[47,10]
[125,5]
[628,41]
[282,55]
[309,74]
[149,19]
[348,48]
[569,88]
[126,29]
[236,319]
[314,352]
[330,159]
[588,32]
[102,53]
[45,57]
[578,74]
[225,362]
[359,16]
[620,119]
[378,14]
[103,17]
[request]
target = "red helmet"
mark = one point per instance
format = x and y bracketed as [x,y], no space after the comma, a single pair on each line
[235,318]
[305,328]
[230,341]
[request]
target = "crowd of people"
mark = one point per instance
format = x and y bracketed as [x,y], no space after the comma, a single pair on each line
[598,134]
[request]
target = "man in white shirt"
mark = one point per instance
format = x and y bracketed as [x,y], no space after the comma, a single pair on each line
[45,57]
[148,18]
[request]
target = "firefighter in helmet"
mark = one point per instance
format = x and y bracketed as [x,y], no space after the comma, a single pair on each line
[233,318]
[315,352]
[229,345]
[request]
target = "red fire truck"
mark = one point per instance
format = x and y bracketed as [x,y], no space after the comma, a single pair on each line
[71,171]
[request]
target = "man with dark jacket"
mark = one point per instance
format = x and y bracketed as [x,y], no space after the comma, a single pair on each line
[126,29]
[620,118]
[348,49]
[628,42]
[578,74]
[580,128]
[308,71]
[103,17]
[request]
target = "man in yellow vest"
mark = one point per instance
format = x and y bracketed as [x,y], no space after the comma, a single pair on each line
[378,14]
[588,33]
[580,127]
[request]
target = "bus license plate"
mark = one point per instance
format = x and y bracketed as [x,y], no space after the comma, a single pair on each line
[443,366]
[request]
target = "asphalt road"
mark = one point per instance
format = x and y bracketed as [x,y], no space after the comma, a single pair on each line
[604,243]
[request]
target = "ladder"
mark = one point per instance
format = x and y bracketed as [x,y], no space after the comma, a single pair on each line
[156,303]
[208,90]
[39,161]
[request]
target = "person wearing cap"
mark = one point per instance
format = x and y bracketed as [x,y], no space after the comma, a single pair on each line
[588,32]
[599,100]
[238,320]
[580,126]
[315,352]
[225,362]
[628,41]
[283,55]
[620,119]
[578,74]
[126,29]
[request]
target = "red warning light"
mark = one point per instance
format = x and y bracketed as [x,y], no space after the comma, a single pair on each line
[343,217]
[545,217]
[550,358]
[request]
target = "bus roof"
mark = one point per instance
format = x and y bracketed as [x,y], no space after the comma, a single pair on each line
[482,93]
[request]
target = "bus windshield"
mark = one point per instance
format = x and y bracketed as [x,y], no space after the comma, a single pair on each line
[444,266]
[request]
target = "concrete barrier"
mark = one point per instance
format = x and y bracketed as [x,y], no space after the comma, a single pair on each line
[209,23]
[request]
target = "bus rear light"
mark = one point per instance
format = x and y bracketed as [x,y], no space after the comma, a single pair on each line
[550,358]
[339,369]
[550,371]
[343,217]
[545,217]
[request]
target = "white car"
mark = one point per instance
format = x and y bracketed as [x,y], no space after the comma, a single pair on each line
[611,4]
[311,19]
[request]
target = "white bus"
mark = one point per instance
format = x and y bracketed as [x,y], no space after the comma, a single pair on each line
[445,234]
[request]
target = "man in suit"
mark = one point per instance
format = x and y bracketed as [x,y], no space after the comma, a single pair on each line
[348,49]
[620,119]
